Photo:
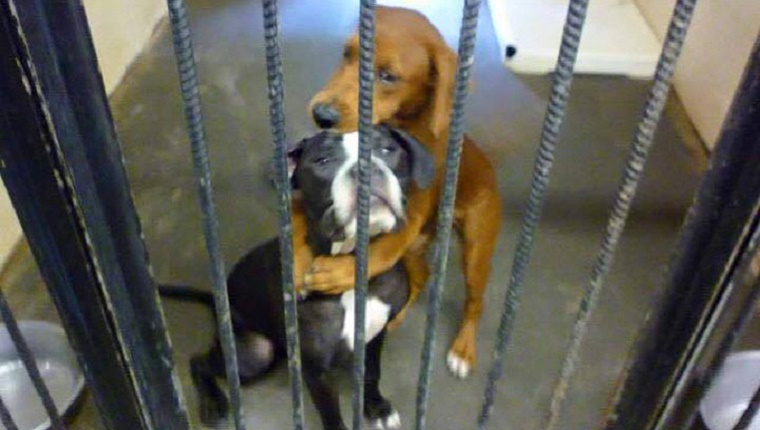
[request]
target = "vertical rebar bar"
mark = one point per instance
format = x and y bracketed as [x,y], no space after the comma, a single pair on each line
[555,115]
[188,76]
[277,123]
[719,230]
[31,365]
[366,81]
[465,59]
[637,157]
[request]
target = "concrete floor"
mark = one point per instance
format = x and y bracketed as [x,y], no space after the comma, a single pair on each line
[504,117]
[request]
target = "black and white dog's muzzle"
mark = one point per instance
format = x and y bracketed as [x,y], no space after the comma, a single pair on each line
[386,199]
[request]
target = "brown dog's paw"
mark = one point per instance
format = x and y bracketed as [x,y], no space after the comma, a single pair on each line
[396,322]
[332,275]
[461,356]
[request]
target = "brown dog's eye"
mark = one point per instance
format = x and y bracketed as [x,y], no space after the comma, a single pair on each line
[387,77]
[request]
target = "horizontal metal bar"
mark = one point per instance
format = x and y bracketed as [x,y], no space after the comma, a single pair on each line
[29,362]
[188,79]
[277,123]
[555,114]
[465,59]
[713,241]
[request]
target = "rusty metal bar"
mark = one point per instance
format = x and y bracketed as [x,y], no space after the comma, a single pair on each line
[188,77]
[366,85]
[634,169]
[466,58]
[555,115]
[721,230]
[277,124]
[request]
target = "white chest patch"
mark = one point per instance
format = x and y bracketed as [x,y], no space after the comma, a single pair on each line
[377,317]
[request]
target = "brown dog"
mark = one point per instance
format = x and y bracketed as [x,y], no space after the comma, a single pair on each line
[415,72]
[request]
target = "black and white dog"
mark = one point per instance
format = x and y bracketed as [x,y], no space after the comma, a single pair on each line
[324,170]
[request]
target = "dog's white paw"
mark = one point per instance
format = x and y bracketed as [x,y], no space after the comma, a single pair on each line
[391,422]
[458,366]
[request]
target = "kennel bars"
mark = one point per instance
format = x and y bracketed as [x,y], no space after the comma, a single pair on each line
[63,168]
[31,368]
[191,97]
[277,120]
[64,172]
[366,85]
[445,217]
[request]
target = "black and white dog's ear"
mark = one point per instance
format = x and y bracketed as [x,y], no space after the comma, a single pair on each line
[423,163]
[295,150]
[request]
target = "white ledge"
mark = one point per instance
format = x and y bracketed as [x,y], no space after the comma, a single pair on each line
[616,39]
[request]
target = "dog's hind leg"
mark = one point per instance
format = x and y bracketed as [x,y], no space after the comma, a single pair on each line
[325,397]
[212,401]
[255,355]
[378,411]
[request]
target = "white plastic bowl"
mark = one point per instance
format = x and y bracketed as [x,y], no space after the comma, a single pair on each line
[731,392]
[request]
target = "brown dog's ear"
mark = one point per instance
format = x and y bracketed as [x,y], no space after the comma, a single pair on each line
[444,65]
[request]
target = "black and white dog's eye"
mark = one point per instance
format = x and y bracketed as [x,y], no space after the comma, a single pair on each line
[387,77]
[387,150]
[321,161]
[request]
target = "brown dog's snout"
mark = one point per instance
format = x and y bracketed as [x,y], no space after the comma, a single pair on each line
[325,115]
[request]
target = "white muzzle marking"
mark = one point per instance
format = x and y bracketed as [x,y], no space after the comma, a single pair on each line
[382,219]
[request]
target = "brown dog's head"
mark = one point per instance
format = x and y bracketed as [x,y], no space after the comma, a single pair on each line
[414,76]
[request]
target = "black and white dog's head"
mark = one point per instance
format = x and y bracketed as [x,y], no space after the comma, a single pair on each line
[324,167]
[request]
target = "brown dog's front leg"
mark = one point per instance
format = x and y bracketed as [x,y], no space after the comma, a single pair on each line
[302,255]
[418,272]
[479,242]
[336,274]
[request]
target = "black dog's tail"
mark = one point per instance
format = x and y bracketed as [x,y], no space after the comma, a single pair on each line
[186,293]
